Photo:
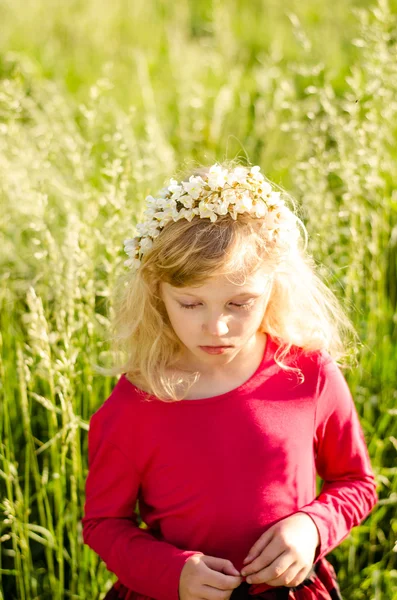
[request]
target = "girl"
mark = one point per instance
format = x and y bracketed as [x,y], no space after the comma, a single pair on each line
[229,403]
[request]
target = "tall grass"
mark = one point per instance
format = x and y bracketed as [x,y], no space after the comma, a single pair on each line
[95,119]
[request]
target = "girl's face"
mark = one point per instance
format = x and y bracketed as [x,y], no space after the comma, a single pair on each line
[218,313]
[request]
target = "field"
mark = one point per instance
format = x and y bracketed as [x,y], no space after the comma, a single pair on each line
[100,103]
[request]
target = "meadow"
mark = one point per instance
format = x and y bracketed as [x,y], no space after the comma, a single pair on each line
[99,104]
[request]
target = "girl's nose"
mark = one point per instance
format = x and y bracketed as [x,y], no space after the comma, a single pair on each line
[216,327]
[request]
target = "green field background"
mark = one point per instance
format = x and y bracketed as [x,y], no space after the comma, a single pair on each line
[100,103]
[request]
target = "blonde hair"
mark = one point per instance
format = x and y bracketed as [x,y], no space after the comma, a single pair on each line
[301,312]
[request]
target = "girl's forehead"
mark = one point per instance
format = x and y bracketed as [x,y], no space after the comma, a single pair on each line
[256,283]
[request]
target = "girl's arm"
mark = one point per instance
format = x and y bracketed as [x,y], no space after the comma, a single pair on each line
[348,493]
[141,562]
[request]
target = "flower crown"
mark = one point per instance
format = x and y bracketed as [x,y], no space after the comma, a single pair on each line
[218,192]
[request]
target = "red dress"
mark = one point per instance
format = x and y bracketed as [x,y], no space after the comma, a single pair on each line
[211,475]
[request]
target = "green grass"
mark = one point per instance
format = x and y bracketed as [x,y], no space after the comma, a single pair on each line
[99,103]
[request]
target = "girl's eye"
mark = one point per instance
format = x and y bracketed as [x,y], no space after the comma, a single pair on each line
[245,306]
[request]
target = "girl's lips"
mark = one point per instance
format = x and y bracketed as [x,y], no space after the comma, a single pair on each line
[216,346]
[215,349]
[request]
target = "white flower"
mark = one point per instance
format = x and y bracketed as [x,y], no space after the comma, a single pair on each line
[222,207]
[244,202]
[154,233]
[167,217]
[146,244]
[141,228]
[185,213]
[163,192]
[175,189]
[163,202]
[266,190]
[151,202]
[170,212]
[187,201]
[233,211]
[130,244]
[255,174]
[149,212]
[169,205]
[228,196]
[275,199]
[152,228]
[238,175]
[194,186]
[241,190]
[216,177]
[207,210]
[259,209]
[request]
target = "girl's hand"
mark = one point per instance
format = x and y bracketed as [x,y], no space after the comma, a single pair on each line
[208,578]
[284,554]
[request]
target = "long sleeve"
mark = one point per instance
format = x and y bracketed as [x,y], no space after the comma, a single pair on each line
[348,492]
[144,564]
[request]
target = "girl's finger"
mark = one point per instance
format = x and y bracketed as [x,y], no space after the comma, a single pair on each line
[272,551]
[298,579]
[273,571]
[289,577]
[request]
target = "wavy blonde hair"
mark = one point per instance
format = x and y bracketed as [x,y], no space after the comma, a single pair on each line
[302,311]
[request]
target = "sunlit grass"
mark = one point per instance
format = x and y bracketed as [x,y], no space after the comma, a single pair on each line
[96,117]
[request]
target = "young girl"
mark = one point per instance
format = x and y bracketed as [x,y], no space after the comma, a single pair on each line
[229,403]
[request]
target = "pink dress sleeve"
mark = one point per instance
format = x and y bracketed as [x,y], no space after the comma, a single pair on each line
[142,563]
[348,493]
